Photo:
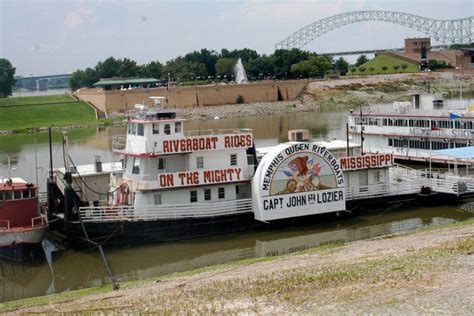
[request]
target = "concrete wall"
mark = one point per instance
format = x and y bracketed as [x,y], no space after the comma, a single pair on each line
[180,97]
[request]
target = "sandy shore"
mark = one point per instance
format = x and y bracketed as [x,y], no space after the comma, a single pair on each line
[429,272]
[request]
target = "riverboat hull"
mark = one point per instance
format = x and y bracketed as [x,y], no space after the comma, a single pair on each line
[22,243]
[120,233]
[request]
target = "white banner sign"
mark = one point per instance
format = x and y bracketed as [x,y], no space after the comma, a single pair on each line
[297,180]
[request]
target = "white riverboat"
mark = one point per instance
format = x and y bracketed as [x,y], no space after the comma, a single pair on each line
[412,131]
[178,184]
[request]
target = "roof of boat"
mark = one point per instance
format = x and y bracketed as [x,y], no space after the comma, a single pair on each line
[333,144]
[458,153]
[14,183]
[86,170]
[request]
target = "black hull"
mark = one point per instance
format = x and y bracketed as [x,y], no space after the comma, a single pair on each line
[22,252]
[120,233]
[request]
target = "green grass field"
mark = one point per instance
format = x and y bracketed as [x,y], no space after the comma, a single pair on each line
[382,60]
[47,99]
[30,112]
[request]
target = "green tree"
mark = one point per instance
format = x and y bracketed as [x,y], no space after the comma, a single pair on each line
[7,77]
[206,57]
[342,66]
[151,70]
[372,69]
[246,54]
[260,67]
[396,67]
[225,67]
[314,67]
[107,68]
[384,68]
[404,67]
[362,69]
[127,68]
[361,60]
[283,59]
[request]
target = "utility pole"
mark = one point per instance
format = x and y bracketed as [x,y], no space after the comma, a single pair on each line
[361,132]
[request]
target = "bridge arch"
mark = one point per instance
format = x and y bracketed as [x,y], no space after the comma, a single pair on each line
[457,31]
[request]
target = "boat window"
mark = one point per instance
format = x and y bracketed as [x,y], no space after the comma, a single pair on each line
[140,129]
[233,160]
[221,192]
[32,193]
[376,176]
[199,162]
[177,127]
[156,128]
[161,164]
[157,198]
[207,194]
[237,190]
[250,160]
[136,166]
[17,194]
[2,196]
[8,195]
[363,180]
[26,194]
[193,196]
[167,129]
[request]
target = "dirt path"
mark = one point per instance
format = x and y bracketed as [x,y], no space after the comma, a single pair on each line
[424,273]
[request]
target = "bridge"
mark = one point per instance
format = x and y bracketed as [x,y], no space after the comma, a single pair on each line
[373,51]
[458,31]
[40,83]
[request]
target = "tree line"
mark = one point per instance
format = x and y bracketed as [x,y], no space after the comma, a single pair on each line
[216,66]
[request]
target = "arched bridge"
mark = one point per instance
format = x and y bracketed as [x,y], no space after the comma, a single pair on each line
[446,31]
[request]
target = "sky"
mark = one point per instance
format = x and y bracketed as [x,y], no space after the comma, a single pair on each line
[42,37]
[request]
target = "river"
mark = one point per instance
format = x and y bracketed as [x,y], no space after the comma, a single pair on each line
[72,269]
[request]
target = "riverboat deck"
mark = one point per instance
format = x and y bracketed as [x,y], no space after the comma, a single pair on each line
[403,181]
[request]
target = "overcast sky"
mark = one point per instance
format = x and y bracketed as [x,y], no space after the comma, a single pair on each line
[59,36]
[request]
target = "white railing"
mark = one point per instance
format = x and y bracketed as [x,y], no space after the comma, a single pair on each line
[377,190]
[38,221]
[157,212]
[441,182]
[119,142]
[192,133]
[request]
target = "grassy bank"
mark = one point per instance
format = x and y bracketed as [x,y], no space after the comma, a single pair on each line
[376,64]
[22,113]
[381,274]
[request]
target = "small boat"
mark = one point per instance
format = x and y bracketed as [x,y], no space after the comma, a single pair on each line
[22,226]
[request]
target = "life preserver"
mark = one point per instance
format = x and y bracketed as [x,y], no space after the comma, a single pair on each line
[121,197]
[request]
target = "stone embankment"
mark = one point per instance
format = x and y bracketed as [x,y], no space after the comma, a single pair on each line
[429,272]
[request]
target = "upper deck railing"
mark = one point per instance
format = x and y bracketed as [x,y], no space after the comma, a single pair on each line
[406,108]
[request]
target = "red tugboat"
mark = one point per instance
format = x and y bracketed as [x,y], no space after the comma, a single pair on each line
[22,227]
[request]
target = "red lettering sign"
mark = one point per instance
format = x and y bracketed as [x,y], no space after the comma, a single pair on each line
[207,143]
[366,161]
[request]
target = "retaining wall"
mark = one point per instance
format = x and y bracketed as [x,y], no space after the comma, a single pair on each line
[180,97]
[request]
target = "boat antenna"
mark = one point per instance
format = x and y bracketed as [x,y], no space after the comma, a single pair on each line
[36,164]
[361,132]
[9,168]
[50,156]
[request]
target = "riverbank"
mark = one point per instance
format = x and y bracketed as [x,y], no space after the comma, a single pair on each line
[429,271]
[320,95]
